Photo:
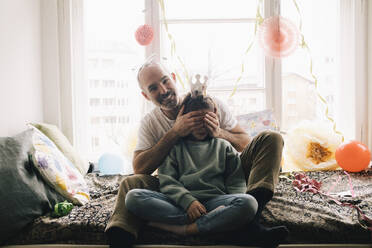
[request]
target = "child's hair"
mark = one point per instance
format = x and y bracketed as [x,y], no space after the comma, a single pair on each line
[197,103]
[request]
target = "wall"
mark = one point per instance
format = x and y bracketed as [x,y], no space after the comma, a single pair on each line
[20,65]
[50,62]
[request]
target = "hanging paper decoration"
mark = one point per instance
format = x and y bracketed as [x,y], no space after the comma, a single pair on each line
[278,36]
[144,35]
[353,156]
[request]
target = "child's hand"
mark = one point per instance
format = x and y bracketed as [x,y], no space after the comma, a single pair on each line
[195,210]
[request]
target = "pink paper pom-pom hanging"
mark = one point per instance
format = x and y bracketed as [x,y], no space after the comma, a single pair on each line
[278,36]
[144,35]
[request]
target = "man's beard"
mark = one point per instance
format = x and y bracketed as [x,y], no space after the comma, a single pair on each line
[168,103]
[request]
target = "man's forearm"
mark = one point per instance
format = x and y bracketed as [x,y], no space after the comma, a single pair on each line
[148,161]
[238,140]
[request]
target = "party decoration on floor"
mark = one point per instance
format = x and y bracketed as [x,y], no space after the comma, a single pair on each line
[353,156]
[144,35]
[62,209]
[302,183]
[312,146]
[278,36]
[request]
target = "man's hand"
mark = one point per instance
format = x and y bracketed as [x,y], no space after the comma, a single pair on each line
[212,124]
[186,123]
[195,210]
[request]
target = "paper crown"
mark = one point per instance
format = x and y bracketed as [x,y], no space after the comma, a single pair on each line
[197,88]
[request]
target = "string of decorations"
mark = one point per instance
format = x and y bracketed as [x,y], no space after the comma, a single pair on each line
[322,99]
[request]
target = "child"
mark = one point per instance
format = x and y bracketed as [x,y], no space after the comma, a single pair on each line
[202,185]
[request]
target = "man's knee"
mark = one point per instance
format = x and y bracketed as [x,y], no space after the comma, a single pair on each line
[140,181]
[272,137]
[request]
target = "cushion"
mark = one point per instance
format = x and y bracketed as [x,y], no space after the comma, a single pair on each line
[63,145]
[254,123]
[24,194]
[57,170]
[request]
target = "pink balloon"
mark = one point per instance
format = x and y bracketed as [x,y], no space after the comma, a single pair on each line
[144,35]
[278,36]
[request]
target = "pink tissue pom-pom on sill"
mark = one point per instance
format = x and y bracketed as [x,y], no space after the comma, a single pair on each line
[144,35]
[278,36]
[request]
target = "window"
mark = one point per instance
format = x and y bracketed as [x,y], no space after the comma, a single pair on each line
[112,57]
[95,102]
[212,42]
[108,83]
[94,142]
[93,83]
[320,27]
[202,37]
[95,120]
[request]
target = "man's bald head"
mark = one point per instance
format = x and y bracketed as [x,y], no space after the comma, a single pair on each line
[149,66]
[158,86]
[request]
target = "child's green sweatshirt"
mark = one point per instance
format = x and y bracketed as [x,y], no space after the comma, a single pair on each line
[201,170]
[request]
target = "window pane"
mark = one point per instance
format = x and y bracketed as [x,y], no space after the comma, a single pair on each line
[210,9]
[216,50]
[112,55]
[243,102]
[321,31]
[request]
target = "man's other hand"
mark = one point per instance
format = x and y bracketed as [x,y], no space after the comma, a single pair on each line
[213,124]
[195,210]
[186,123]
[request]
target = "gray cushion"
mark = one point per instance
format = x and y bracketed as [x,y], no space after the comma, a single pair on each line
[24,195]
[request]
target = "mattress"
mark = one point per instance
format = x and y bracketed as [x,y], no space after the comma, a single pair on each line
[311,218]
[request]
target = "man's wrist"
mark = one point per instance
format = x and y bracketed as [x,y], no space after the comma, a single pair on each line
[222,134]
[174,134]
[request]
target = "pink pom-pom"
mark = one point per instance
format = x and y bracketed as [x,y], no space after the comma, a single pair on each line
[278,36]
[144,35]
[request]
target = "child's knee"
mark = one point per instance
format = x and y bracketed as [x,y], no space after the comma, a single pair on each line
[133,199]
[248,206]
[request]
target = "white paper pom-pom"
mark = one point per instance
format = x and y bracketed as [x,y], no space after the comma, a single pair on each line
[312,146]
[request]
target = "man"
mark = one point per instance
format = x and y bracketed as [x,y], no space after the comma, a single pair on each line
[164,126]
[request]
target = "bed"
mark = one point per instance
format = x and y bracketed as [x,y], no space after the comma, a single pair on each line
[311,218]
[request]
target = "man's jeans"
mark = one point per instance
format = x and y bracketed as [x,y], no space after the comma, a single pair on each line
[238,210]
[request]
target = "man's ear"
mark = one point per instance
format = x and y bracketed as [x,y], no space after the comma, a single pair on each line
[173,76]
[144,94]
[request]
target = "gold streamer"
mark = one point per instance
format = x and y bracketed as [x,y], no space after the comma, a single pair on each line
[173,46]
[324,101]
[258,22]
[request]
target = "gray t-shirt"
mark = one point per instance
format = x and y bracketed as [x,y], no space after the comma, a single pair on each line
[156,124]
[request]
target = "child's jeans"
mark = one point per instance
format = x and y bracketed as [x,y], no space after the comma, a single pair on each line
[153,206]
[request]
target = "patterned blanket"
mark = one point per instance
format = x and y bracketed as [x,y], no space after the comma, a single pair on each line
[311,218]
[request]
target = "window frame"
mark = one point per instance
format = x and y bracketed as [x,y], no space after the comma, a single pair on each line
[272,67]
[62,37]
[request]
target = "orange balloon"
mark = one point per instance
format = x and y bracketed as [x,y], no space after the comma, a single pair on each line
[353,156]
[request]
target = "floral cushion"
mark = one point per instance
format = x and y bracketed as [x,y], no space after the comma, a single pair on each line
[57,170]
[64,145]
